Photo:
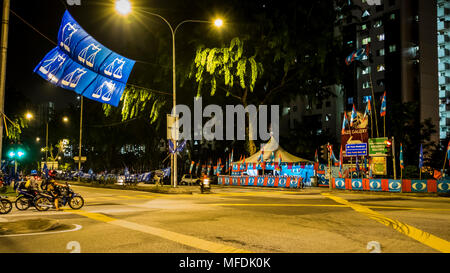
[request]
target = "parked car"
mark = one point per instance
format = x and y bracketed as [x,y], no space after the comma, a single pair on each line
[189,179]
[120,180]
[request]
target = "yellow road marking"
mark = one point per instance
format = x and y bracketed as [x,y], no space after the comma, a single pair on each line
[125,197]
[169,235]
[412,232]
[316,205]
[146,196]
[278,205]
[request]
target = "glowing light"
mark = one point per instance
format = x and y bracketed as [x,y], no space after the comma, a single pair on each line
[218,22]
[65,119]
[28,115]
[123,7]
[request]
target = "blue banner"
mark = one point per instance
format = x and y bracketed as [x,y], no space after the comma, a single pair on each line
[81,64]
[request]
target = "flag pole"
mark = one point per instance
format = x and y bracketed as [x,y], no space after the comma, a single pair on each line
[374,105]
[445,160]
[371,122]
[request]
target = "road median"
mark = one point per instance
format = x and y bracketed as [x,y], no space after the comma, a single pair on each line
[167,189]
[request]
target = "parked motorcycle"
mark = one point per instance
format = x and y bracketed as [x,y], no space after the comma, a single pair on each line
[5,205]
[25,199]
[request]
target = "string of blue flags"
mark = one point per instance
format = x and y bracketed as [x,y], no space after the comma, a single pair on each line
[81,64]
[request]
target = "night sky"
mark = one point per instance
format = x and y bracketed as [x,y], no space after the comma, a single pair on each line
[130,37]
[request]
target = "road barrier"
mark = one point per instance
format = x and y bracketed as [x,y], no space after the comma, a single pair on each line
[363,184]
[391,185]
[261,181]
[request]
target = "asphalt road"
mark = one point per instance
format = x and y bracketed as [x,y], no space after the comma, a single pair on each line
[241,220]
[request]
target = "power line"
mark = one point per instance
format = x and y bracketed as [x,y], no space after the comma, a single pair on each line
[31,26]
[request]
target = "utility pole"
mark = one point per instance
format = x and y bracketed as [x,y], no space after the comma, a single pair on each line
[81,133]
[393,158]
[329,166]
[4,50]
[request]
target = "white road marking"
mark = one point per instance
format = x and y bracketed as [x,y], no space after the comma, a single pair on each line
[77,227]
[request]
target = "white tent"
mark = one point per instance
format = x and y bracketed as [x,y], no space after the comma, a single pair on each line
[273,146]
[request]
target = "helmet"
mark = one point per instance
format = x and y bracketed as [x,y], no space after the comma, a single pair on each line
[33,172]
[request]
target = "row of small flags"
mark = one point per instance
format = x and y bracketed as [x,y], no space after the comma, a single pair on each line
[217,169]
[358,55]
[367,112]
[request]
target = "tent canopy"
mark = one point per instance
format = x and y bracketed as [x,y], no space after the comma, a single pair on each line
[273,146]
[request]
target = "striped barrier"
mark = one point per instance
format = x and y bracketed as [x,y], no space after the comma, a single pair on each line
[261,181]
[391,185]
[380,185]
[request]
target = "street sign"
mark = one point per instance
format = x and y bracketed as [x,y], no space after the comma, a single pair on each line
[51,165]
[377,146]
[378,165]
[172,127]
[357,149]
[83,159]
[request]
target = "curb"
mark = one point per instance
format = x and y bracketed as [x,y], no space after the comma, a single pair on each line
[162,190]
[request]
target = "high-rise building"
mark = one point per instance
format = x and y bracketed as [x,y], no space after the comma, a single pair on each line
[443,45]
[402,39]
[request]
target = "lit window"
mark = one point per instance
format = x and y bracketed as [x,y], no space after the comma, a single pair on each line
[366,13]
[364,27]
[366,70]
[381,52]
[350,100]
[378,24]
[392,17]
[365,41]
[366,85]
[392,48]
[380,37]
[380,67]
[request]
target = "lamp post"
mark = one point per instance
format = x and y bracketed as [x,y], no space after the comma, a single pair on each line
[3,52]
[123,7]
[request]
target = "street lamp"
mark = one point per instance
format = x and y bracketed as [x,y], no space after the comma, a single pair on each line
[29,115]
[123,7]
[65,119]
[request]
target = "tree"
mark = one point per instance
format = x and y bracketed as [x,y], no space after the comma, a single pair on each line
[282,54]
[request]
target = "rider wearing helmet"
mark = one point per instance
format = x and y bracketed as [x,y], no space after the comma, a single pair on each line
[55,190]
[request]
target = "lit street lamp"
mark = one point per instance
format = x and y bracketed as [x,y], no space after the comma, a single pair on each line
[29,116]
[123,7]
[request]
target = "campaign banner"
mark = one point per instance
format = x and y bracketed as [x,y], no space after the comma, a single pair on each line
[81,64]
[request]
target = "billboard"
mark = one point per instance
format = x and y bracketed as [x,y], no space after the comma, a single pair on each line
[355,135]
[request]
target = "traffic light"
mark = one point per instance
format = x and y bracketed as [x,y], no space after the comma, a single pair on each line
[20,154]
[324,152]
[388,144]
[11,154]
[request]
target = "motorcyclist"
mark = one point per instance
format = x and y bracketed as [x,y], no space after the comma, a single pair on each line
[54,188]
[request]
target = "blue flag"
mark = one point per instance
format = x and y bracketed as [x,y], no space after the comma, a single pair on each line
[383,105]
[81,64]
[421,157]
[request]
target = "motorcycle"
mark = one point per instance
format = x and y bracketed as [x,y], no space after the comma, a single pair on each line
[44,201]
[25,199]
[5,205]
